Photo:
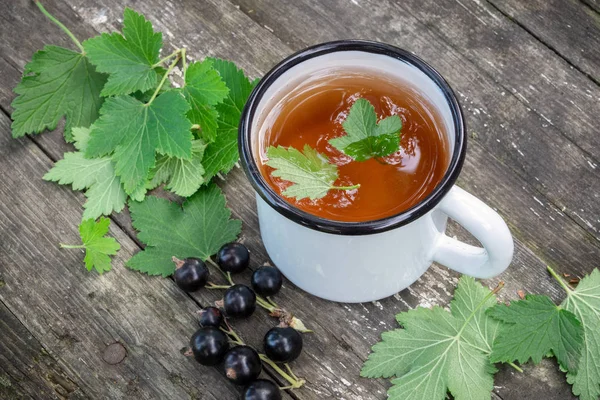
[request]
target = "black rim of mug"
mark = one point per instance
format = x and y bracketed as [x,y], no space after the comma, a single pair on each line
[339,227]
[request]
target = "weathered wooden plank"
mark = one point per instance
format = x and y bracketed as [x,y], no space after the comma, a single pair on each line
[337,335]
[460,47]
[75,314]
[566,26]
[27,370]
[323,315]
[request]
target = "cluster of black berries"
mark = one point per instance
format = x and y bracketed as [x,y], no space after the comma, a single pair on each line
[212,343]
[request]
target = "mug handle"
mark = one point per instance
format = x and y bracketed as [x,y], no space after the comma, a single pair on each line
[485,225]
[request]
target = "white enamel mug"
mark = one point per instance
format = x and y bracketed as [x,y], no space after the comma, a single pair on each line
[366,261]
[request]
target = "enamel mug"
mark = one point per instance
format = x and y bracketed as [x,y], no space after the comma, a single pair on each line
[365,261]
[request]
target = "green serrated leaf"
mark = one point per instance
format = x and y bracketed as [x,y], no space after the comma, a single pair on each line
[105,193]
[128,58]
[57,82]
[584,302]
[534,327]
[311,173]
[136,131]
[222,154]
[183,177]
[365,138]
[81,137]
[198,229]
[98,248]
[439,352]
[203,89]
[78,171]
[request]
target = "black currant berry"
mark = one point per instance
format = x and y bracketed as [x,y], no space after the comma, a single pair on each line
[239,301]
[191,275]
[211,316]
[267,281]
[283,344]
[209,345]
[261,389]
[233,257]
[242,365]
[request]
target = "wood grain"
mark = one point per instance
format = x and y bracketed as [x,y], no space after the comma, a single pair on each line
[566,26]
[333,355]
[493,66]
[75,314]
[26,368]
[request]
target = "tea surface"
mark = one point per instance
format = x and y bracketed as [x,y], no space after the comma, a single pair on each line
[313,114]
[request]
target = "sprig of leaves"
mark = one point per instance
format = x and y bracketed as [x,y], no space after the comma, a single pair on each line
[365,137]
[311,173]
[133,129]
[98,248]
[141,136]
[438,351]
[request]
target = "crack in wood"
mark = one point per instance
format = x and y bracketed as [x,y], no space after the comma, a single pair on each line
[542,41]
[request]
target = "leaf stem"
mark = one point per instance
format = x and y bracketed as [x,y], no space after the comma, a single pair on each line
[61,26]
[163,80]
[515,366]
[560,280]
[346,187]
[167,58]
[72,246]
[183,65]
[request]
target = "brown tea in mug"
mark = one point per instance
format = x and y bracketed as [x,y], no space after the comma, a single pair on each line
[313,114]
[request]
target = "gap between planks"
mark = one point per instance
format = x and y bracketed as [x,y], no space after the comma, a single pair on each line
[547,45]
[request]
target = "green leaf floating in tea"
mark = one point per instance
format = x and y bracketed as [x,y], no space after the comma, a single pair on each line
[310,172]
[365,138]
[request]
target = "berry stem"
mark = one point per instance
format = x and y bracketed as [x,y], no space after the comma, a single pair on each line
[560,280]
[212,286]
[264,304]
[72,246]
[294,383]
[61,26]
[289,370]
[292,379]
[270,300]
[164,79]
[167,58]
[227,275]
[267,303]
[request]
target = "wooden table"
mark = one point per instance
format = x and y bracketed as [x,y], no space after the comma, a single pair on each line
[528,77]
